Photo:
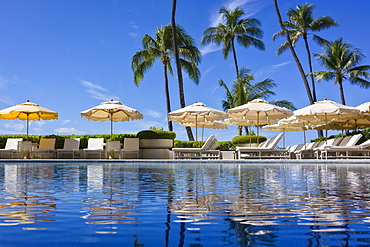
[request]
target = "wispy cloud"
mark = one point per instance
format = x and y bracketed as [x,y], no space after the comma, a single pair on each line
[209,48]
[98,92]
[65,122]
[69,131]
[134,26]
[14,126]
[152,113]
[271,68]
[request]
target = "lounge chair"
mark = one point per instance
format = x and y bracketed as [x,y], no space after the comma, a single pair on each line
[112,148]
[350,151]
[266,151]
[24,149]
[348,142]
[94,146]
[71,146]
[11,147]
[207,151]
[46,146]
[130,146]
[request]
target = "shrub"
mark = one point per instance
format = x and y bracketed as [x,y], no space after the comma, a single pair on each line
[248,139]
[156,134]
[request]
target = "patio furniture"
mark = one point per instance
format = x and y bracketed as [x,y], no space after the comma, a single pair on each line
[265,150]
[94,146]
[207,151]
[46,146]
[11,147]
[71,146]
[130,146]
[348,142]
[112,148]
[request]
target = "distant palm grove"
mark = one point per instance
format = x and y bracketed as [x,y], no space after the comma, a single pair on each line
[340,61]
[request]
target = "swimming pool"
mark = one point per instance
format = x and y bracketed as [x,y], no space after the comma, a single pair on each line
[215,204]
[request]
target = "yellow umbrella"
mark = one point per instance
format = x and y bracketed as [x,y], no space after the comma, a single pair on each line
[114,111]
[28,111]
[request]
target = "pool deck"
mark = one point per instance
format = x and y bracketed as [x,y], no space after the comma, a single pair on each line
[188,161]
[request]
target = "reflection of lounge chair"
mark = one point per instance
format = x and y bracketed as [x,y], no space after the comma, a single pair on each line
[47,146]
[207,151]
[112,148]
[130,146]
[11,147]
[94,146]
[266,151]
[71,146]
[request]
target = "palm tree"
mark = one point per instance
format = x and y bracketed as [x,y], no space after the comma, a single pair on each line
[245,31]
[294,54]
[161,48]
[244,90]
[301,23]
[342,63]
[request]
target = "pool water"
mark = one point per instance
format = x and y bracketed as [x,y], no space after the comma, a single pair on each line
[74,204]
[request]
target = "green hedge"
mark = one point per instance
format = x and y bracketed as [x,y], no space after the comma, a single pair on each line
[156,134]
[59,142]
[224,146]
[248,139]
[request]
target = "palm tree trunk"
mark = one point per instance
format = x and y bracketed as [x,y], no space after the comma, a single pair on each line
[341,91]
[310,66]
[178,66]
[235,60]
[167,92]
[299,65]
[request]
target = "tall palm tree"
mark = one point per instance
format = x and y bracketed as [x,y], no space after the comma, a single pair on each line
[178,65]
[294,54]
[300,24]
[244,90]
[245,31]
[342,63]
[161,48]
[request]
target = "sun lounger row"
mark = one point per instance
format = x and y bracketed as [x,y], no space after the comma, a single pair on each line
[96,147]
[207,151]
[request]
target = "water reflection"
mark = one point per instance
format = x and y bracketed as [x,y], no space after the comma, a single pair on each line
[184,205]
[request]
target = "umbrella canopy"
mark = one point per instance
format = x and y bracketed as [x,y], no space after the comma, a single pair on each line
[283,128]
[28,111]
[327,110]
[112,110]
[207,125]
[197,113]
[260,111]
[364,108]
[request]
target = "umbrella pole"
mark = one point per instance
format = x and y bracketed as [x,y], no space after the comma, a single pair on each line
[196,130]
[27,126]
[326,128]
[258,122]
[111,126]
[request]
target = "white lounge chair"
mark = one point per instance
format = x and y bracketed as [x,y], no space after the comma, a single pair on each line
[94,146]
[267,150]
[207,151]
[347,142]
[112,148]
[71,146]
[46,146]
[11,147]
[130,146]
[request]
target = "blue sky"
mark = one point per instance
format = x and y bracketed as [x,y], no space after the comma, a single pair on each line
[70,55]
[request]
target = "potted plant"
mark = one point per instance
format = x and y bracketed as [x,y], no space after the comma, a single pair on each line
[155,143]
[248,140]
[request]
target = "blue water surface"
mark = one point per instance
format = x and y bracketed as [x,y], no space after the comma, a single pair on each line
[76,204]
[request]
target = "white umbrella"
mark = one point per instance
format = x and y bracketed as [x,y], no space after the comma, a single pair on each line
[197,112]
[364,108]
[282,128]
[207,125]
[260,111]
[327,110]
[112,110]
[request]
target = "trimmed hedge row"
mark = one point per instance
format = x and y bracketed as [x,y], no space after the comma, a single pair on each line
[224,146]
[248,139]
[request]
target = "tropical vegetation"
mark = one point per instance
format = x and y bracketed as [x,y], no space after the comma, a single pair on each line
[343,63]
[161,48]
[246,32]
[300,24]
